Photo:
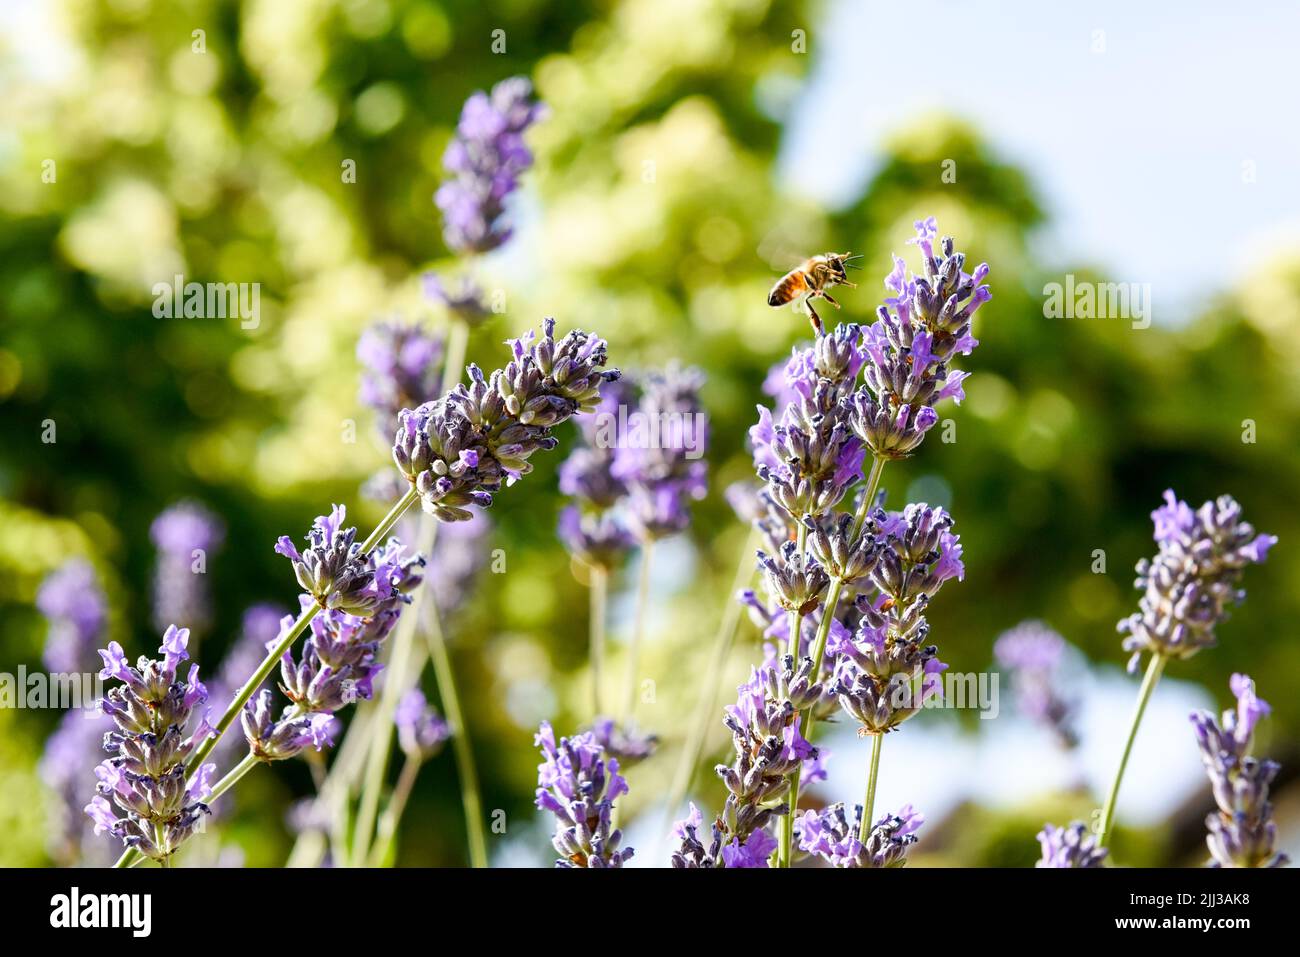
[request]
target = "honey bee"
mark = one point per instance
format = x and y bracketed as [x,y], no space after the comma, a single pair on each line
[811,280]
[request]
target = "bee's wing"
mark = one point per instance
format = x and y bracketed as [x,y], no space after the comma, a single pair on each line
[780,252]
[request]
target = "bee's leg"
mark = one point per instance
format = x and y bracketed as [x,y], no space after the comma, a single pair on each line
[815,319]
[846,284]
[827,297]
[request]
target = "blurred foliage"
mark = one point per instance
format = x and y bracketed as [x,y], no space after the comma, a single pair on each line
[654,216]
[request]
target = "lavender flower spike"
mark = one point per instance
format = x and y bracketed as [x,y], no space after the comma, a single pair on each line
[487,156]
[338,661]
[460,449]
[184,534]
[1242,832]
[1033,653]
[421,731]
[72,601]
[332,569]
[1071,846]
[833,836]
[578,784]
[402,368]
[145,776]
[910,348]
[1191,581]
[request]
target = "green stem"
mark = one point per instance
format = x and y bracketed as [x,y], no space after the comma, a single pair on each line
[638,625]
[722,642]
[249,762]
[869,804]
[469,790]
[396,683]
[596,633]
[784,847]
[1149,681]
[393,812]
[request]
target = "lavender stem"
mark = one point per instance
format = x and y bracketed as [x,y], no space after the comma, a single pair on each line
[638,624]
[395,684]
[596,630]
[1149,681]
[869,804]
[393,812]
[783,849]
[469,790]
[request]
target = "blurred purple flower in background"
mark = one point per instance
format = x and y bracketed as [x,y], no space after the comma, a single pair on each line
[421,730]
[72,752]
[1034,654]
[77,611]
[487,156]
[401,369]
[186,535]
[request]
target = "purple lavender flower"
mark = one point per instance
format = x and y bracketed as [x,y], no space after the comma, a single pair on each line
[460,449]
[1072,846]
[146,776]
[465,302]
[659,459]
[185,535]
[691,851]
[333,570]
[487,156]
[1191,581]
[579,784]
[338,662]
[277,739]
[764,725]
[402,368]
[807,456]
[1242,832]
[1033,653]
[623,743]
[833,836]
[887,673]
[75,607]
[910,348]
[421,731]
[592,527]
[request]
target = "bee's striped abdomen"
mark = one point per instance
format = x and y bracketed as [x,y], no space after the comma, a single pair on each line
[791,285]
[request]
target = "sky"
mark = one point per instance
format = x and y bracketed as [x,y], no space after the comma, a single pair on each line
[1136,126]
